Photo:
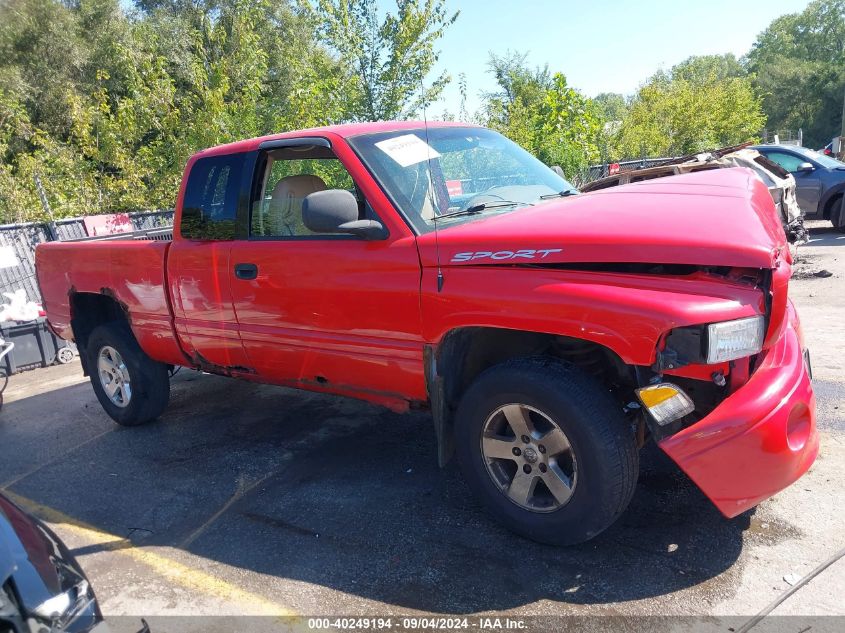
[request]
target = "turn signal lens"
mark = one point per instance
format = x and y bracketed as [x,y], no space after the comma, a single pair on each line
[665,402]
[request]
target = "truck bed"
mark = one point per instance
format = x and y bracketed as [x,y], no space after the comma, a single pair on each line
[130,270]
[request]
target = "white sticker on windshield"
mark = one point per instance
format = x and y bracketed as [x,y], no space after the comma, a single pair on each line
[408,149]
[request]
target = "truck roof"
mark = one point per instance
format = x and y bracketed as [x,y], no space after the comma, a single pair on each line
[345,130]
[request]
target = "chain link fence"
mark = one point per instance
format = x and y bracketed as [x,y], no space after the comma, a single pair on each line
[22,239]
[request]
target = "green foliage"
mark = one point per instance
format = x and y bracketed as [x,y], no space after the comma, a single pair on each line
[704,69]
[703,103]
[543,114]
[107,107]
[389,58]
[611,106]
[799,68]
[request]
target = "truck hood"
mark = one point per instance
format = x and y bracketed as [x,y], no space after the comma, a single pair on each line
[723,217]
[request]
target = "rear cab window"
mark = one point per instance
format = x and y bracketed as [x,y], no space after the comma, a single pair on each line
[210,205]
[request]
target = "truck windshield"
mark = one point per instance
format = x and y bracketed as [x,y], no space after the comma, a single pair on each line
[456,174]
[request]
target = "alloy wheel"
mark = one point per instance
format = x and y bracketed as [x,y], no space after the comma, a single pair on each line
[114,376]
[529,458]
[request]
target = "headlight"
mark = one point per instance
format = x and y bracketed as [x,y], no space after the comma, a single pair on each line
[730,340]
[64,608]
[56,606]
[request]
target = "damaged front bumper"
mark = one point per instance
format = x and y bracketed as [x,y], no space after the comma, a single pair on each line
[761,438]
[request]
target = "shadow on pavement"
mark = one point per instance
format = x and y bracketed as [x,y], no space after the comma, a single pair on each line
[348,496]
[824,236]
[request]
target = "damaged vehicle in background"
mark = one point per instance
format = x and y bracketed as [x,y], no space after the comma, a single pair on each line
[820,180]
[781,184]
[42,587]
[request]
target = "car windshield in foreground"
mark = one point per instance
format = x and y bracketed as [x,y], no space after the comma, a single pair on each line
[453,175]
[821,159]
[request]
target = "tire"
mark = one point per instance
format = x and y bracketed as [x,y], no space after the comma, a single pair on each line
[65,355]
[601,462]
[148,382]
[837,215]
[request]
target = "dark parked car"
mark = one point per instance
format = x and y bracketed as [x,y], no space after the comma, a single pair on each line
[42,587]
[820,180]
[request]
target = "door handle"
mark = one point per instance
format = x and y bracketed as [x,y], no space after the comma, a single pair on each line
[246,271]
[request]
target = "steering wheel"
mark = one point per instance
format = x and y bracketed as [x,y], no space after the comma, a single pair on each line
[477,198]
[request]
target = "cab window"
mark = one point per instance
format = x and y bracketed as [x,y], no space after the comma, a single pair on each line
[789,162]
[210,205]
[285,177]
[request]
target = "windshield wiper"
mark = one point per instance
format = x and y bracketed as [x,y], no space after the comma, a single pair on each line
[481,206]
[560,194]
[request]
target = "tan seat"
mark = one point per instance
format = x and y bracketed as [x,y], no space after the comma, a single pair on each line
[284,215]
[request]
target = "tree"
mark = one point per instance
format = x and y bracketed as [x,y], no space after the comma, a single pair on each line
[611,106]
[15,128]
[110,118]
[798,64]
[388,58]
[693,107]
[542,113]
[41,58]
[701,69]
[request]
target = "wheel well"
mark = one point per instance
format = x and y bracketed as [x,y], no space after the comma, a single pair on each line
[828,207]
[464,353]
[88,311]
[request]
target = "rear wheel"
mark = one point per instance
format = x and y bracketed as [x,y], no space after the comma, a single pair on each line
[131,387]
[546,449]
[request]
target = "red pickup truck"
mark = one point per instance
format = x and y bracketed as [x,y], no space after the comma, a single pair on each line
[443,267]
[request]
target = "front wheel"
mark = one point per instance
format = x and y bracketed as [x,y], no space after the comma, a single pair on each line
[837,214]
[131,387]
[546,449]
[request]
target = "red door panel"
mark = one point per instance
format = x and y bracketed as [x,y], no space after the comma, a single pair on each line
[202,304]
[339,315]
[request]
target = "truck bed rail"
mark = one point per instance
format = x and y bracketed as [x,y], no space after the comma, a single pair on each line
[159,235]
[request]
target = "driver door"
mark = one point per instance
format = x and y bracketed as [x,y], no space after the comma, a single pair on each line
[330,312]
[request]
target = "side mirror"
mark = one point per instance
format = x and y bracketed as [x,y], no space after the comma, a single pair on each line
[805,166]
[336,211]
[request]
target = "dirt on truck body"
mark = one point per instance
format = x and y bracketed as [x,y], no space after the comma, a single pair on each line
[550,333]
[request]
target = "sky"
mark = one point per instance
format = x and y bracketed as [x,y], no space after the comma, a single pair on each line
[601,46]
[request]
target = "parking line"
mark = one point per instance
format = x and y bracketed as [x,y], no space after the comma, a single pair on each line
[170,569]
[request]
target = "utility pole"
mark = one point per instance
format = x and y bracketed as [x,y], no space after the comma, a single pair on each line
[841,153]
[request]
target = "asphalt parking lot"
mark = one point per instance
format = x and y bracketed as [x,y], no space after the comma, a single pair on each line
[246,499]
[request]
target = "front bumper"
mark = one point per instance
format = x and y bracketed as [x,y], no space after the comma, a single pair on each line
[761,438]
